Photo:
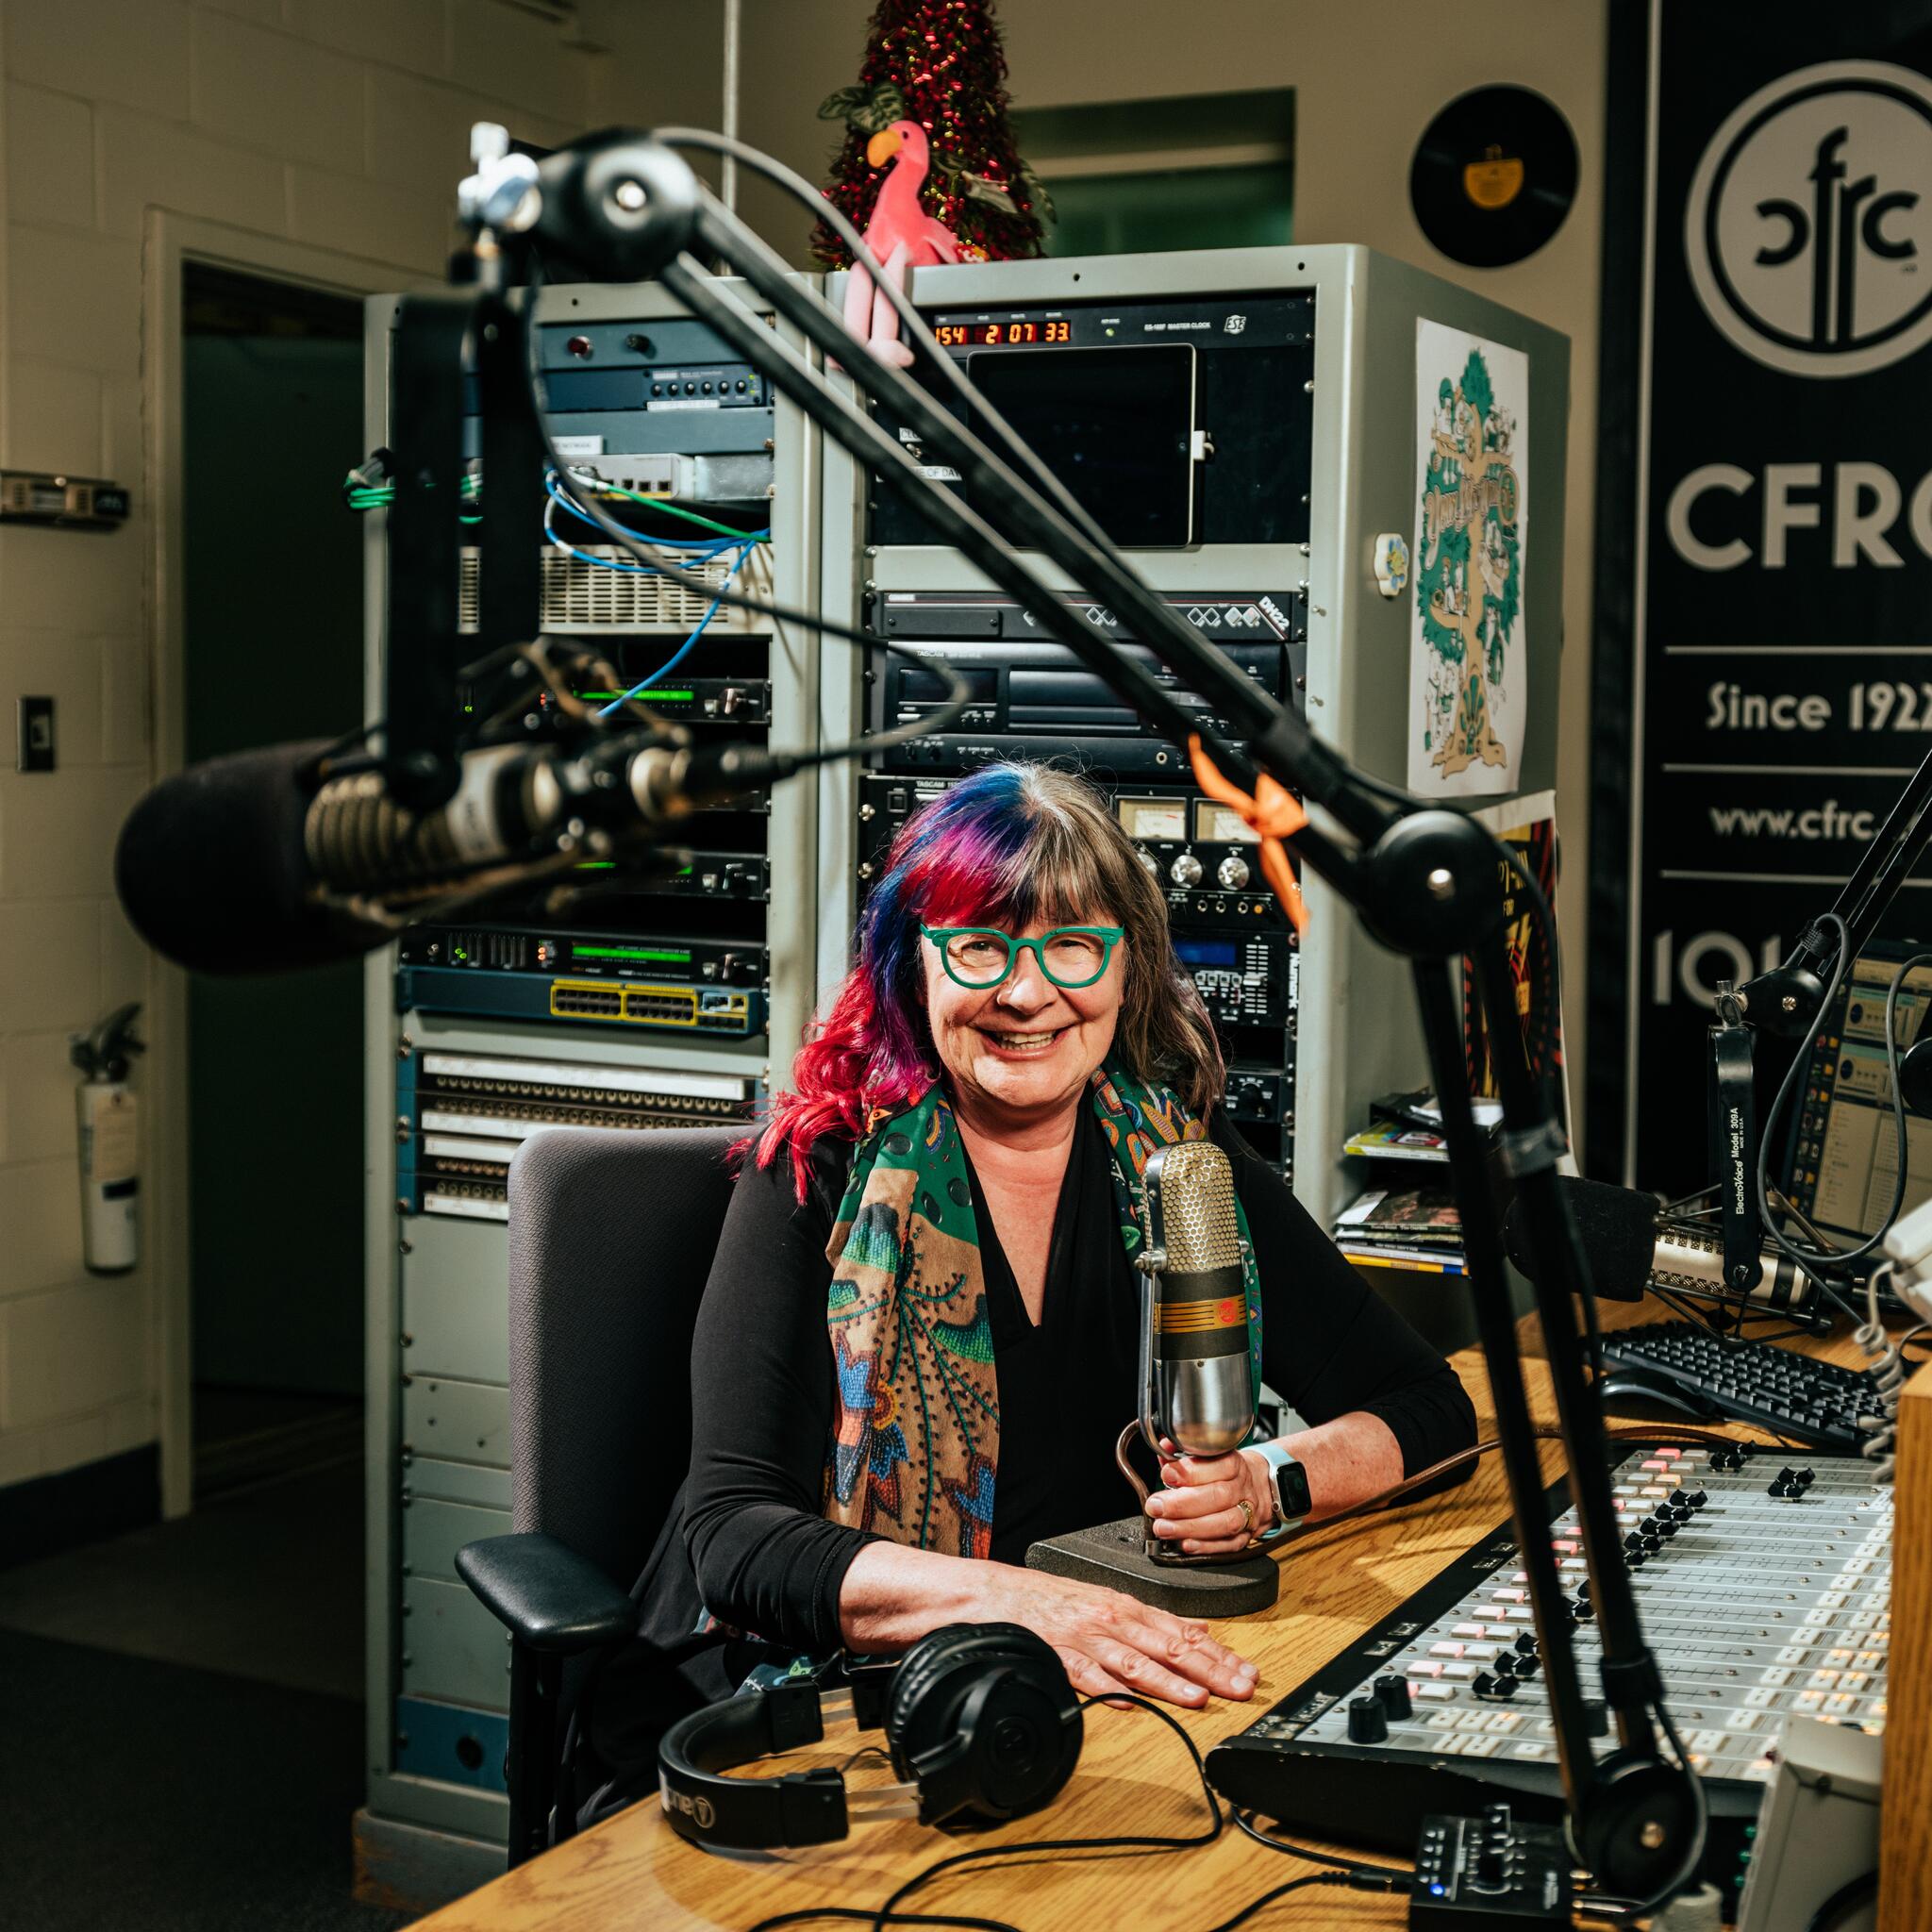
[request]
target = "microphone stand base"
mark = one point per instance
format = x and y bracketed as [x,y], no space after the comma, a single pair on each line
[1115,1555]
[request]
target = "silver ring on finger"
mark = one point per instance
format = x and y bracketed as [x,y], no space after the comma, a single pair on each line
[1247,1510]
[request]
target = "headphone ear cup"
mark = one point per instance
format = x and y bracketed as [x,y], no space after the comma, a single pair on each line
[923,1665]
[983,1719]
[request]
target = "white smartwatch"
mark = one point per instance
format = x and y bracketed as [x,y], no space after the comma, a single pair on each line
[1288,1480]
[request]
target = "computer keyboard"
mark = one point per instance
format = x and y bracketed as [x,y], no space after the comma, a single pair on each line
[1687,1367]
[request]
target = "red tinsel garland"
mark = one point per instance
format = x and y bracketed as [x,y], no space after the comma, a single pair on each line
[946,57]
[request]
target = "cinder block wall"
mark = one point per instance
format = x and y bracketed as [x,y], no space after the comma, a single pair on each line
[342,124]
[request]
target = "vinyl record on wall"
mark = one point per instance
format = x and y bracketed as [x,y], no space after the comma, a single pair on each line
[1493,175]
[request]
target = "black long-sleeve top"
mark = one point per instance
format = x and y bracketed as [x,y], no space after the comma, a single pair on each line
[757,1553]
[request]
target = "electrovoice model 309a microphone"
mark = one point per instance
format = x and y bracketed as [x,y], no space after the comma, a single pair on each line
[1632,1247]
[1199,1391]
[1198,1388]
[242,864]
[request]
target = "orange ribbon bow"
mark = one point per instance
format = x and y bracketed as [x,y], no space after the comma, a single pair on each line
[1273,812]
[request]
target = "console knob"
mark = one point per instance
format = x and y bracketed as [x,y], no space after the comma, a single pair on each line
[1394,1692]
[1368,1723]
[1148,859]
[1186,870]
[1232,872]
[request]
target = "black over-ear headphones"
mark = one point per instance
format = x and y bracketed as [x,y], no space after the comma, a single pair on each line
[980,1721]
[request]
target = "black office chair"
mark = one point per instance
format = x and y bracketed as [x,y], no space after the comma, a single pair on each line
[611,1235]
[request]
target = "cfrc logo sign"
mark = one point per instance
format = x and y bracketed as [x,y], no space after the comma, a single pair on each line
[1809,229]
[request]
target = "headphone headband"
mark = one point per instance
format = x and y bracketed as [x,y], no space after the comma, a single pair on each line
[801,1808]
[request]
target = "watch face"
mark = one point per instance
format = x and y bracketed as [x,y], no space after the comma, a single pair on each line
[1292,1491]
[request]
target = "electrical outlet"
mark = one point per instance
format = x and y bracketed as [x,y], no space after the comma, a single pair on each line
[36,735]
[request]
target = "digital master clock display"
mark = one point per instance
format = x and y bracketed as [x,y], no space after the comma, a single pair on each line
[1000,335]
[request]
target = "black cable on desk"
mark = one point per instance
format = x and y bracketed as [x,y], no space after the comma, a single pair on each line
[889,1911]
[1245,1822]
[806,1914]
[1354,1880]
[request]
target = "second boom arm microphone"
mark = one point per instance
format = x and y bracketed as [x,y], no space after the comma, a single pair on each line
[242,864]
[1632,1247]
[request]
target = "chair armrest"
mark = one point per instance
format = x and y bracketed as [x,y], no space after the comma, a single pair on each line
[545,1594]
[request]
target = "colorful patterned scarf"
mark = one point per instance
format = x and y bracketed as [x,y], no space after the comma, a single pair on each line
[915,1444]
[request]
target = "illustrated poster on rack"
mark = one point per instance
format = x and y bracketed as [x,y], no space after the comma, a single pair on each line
[1468,661]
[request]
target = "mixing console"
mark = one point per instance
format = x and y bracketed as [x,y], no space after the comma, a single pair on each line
[1763,1589]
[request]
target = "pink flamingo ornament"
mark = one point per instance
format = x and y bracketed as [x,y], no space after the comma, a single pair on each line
[900,237]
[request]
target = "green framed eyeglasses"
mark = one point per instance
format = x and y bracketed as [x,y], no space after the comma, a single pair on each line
[977,957]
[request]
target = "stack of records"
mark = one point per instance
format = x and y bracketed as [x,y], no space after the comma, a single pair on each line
[1408,1219]
[1403,1227]
[1398,1139]
[1409,1126]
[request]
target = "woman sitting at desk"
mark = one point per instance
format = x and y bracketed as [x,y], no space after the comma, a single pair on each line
[918,1341]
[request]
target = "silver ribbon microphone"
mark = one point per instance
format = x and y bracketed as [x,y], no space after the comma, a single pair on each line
[1196,1386]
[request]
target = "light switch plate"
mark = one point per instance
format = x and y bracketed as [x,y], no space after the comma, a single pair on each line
[36,735]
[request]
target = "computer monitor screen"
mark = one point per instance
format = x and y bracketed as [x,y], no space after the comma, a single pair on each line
[1842,1163]
[1115,425]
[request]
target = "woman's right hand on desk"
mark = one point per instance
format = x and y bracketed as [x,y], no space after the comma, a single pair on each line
[1109,1642]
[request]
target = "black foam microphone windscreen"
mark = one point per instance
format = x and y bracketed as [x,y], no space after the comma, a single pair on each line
[211,870]
[1617,1227]
[1632,1248]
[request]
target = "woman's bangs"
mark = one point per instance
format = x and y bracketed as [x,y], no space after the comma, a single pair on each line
[1047,875]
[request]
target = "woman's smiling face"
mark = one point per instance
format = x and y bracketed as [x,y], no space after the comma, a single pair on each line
[1026,1048]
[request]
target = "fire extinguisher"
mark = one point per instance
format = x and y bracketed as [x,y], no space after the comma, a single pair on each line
[109,1143]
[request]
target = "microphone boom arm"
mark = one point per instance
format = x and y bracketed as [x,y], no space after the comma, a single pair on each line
[1425,882]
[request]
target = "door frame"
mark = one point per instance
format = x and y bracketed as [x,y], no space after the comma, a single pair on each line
[170,241]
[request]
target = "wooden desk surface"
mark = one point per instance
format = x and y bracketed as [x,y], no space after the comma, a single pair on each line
[634,1872]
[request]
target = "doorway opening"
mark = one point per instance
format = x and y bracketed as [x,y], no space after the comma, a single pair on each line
[272,417]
